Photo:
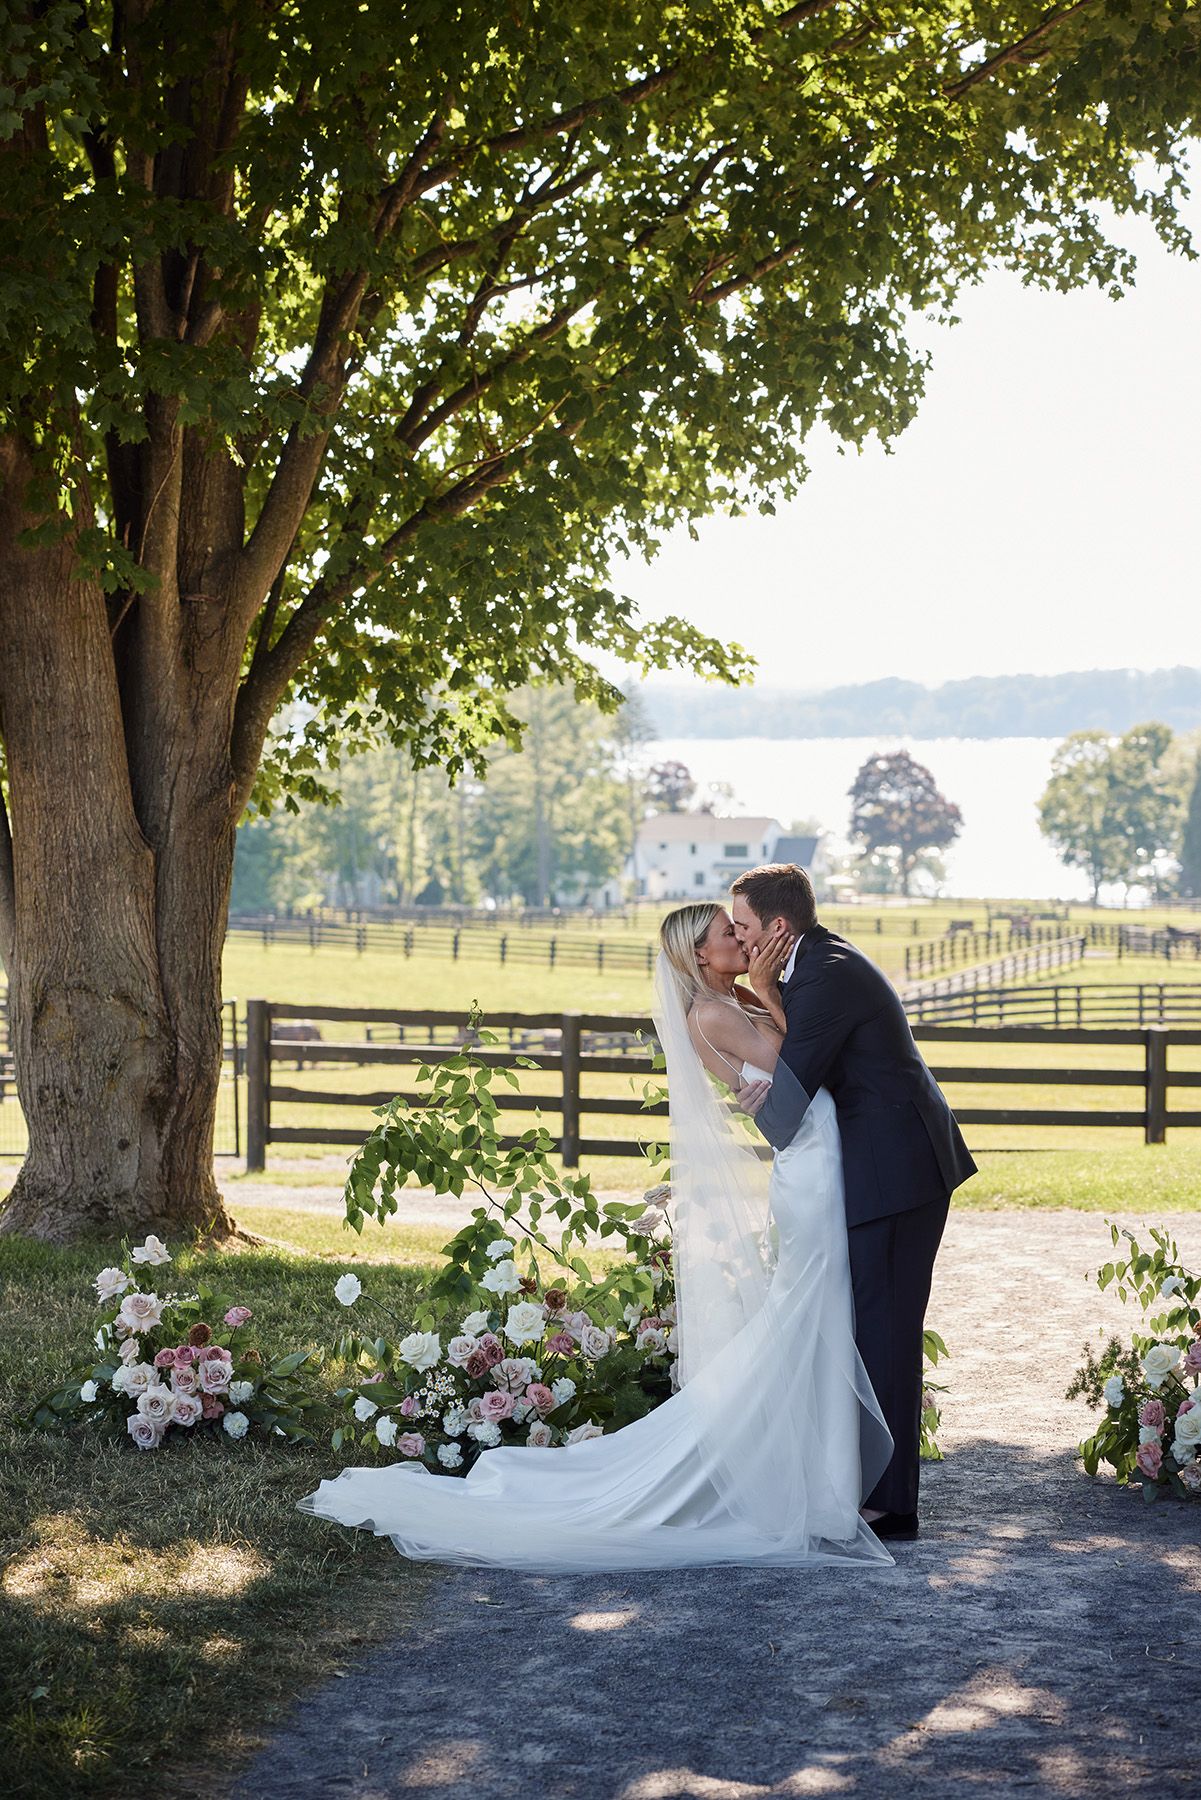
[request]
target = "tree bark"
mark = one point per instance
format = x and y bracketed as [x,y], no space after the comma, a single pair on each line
[115,943]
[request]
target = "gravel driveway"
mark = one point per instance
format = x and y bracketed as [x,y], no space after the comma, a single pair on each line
[1042,1637]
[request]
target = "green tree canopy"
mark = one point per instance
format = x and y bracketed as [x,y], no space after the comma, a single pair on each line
[1111,807]
[897,807]
[342,346]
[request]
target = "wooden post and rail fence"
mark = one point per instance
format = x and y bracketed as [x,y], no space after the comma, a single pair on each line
[571,1046]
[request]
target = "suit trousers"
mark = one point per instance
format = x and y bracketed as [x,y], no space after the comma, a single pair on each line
[892,1263]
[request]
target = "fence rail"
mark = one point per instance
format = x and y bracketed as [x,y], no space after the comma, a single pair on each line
[1132,1003]
[572,1045]
[1018,965]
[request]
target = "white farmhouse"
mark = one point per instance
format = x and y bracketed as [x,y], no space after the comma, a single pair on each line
[694,856]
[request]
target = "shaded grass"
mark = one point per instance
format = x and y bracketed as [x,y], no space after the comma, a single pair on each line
[158,1611]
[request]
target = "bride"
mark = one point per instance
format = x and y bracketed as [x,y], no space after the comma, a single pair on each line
[765,1452]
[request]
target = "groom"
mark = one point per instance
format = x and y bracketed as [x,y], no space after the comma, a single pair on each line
[902,1151]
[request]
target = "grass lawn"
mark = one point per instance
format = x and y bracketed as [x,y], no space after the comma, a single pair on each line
[157,1610]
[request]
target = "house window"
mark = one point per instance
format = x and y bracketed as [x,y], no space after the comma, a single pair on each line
[692,849]
[698,878]
[734,850]
[662,846]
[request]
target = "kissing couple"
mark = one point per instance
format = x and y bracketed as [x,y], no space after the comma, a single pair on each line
[802,1276]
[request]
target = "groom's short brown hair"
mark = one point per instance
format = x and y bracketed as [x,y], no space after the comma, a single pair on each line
[779,891]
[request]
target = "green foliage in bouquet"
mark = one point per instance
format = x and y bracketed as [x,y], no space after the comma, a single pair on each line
[1151,1388]
[933,1351]
[169,1367]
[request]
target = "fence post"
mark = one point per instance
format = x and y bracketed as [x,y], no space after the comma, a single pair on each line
[258,1034]
[1157,1084]
[570,1045]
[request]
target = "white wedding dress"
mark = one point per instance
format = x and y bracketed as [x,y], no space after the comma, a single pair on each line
[761,1457]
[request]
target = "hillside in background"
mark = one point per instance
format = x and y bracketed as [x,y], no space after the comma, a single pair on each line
[984,706]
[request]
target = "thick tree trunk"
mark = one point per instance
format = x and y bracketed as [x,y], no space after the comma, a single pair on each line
[113,949]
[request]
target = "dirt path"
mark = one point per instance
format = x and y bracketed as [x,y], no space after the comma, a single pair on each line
[1041,1638]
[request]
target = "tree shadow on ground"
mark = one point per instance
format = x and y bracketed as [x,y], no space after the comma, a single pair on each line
[1035,1639]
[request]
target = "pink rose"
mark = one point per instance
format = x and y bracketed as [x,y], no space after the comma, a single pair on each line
[186,1354]
[1192,1358]
[487,1339]
[1149,1459]
[497,1405]
[410,1407]
[165,1359]
[1151,1413]
[410,1443]
[211,1407]
[378,1376]
[476,1365]
[214,1377]
[475,1409]
[238,1315]
[562,1343]
[185,1380]
[540,1397]
[146,1434]
[213,1353]
[186,1409]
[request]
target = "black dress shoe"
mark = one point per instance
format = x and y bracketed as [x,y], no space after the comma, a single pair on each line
[902,1527]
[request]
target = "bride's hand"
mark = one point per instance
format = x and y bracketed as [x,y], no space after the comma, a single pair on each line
[766,960]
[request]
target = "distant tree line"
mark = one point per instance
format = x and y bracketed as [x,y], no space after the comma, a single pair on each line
[1107,700]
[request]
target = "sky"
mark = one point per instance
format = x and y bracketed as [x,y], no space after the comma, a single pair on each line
[1041,514]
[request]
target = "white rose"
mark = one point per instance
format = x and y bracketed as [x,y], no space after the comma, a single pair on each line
[421,1349]
[594,1342]
[486,1433]
[385,1430]
[236,1424]
[652,1341]
[1159,1362]
[153,1251]
[111,1282]
[144,1432]
[589,1430]
[364,1409]
[130,1351]
[1172,1285]
[88,1392]
[140,1312]
[499,1247]
[454,1422]
[239,1391]
[1147,1434]
[668,1313]
[540,1436]
[459,1349]
[503,1279]
[475,1323]
[525,1321]
[1188,1434]
[563,1389]
[157,1404]
[631,1315]
[1114,1391]
[133,1379]
[347,1289]
[450,1456]
[185,1409]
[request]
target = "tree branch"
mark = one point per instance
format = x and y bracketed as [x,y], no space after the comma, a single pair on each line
[1021,50]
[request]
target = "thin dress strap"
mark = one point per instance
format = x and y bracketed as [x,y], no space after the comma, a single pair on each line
[737,1067]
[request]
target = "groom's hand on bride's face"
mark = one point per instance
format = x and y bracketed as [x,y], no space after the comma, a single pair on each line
[751,1097]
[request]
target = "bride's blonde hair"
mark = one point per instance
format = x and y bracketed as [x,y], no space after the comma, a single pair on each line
[680,938]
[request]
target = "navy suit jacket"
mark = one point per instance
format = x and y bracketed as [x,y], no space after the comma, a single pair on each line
[847,1031]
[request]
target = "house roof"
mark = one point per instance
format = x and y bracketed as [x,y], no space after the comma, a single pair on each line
[799,850]
[701,828]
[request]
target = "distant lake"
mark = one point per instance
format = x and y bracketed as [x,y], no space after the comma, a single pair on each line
[995,782]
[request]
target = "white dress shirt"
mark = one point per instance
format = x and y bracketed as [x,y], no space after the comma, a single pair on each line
[790,965]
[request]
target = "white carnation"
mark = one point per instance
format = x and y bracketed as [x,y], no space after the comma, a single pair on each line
[522,1408]
[525,1321]
[563,1389]
[1148,1434]
[347,1289]
[385,1430]
[421,1349]
[153,1251]
[1159,1362]
[500,1247]
[454,1421]
[239,1391]
[364,1409]
[88,1392]
[486,1433]
[503,1279]
[1172,1285]
[236,1424]
[450,1456]
[1114,1391]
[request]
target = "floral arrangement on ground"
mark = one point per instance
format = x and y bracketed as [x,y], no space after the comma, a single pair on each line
[1151,1387]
